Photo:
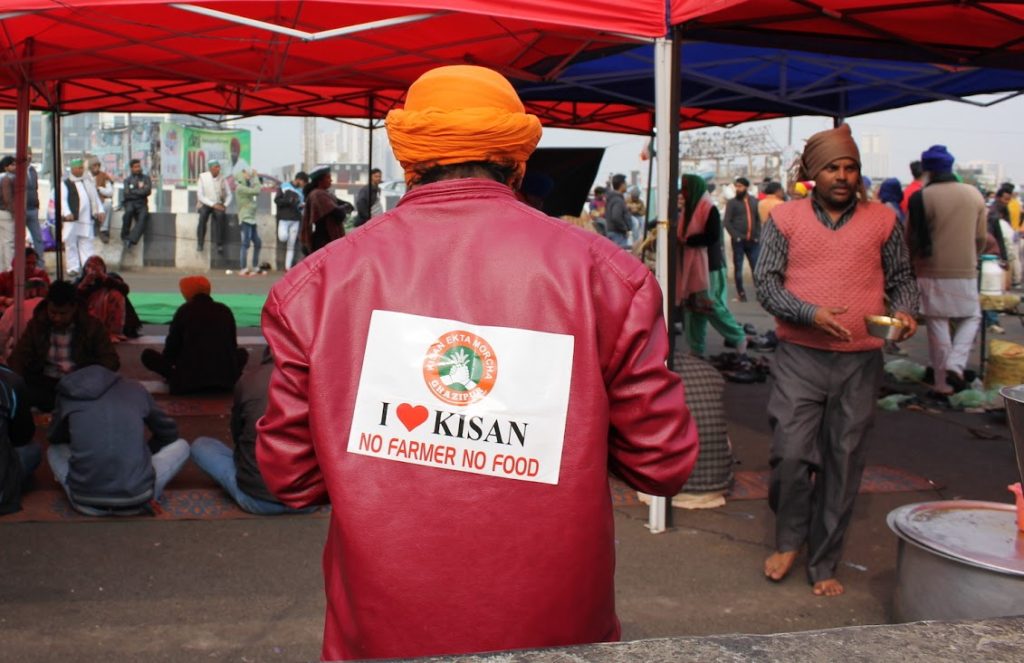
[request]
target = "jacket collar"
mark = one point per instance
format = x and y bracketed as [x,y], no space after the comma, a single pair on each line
[467,187]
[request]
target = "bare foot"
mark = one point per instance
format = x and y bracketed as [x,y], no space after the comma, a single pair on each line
[779,563]
[830,587]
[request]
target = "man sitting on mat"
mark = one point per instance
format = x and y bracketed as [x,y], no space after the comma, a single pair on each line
[98,450]
[61,337]
[201,352]
[236,471]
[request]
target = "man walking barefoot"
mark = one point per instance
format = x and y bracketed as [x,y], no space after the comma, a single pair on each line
[827,261]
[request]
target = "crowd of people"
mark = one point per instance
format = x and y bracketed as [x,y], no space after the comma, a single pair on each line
[65,363]
[587,333]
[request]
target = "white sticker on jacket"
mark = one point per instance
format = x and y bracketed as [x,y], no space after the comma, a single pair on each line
[456,396]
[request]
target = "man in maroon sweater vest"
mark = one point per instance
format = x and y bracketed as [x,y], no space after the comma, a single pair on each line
[819,275]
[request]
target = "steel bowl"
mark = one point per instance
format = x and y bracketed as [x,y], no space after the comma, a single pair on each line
[884,326]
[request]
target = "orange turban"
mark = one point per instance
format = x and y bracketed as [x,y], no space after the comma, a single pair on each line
[825,147]
[191,286]
[461,113]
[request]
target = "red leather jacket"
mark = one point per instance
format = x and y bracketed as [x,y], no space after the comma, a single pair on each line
[426,561]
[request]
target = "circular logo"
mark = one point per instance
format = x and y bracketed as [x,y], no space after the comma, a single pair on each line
[460,368]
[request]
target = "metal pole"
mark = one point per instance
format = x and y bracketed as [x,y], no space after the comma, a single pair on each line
[57,176]
[369,164]
[650,175]
[20,200]
[666,114]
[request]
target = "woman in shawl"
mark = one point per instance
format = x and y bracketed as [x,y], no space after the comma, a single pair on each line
[105,294]
[323,219]
[700,244]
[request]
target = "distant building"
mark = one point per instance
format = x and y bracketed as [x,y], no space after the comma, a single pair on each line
[874,156]
[987,174]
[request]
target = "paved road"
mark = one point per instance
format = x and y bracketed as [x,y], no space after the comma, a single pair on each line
[250,590]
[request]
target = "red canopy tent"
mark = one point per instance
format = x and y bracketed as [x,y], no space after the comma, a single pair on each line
[291,58]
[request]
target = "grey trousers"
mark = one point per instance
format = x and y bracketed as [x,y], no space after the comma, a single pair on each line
[821,408]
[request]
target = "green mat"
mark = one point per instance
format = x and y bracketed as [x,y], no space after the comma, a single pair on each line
[158,307]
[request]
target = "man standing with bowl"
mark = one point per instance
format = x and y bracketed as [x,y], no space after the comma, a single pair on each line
[826,262]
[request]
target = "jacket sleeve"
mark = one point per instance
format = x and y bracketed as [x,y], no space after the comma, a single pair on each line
[23,426]
[147,187]
[363,204]
[175,336]
[163,427]
[248,187]
[284,443]
[653,439]
[614,215]
[729,221]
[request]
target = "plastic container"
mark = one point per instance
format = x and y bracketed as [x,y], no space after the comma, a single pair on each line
[992,276]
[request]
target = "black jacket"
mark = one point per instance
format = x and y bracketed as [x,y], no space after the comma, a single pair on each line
[289,205]
[616,215]
[104,418]
[32,189]
[735,220]
[137,188]
[202,347]
[16,430]
[90,344]
[249,405]
[365,198]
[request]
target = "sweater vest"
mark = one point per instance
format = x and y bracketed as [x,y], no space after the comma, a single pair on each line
[834,268]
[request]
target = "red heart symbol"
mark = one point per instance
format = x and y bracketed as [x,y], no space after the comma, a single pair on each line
[412,416]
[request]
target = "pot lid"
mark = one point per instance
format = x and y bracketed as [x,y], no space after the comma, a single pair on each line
[982,534]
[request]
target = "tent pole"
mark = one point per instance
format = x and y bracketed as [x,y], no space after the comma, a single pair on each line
[666,117]
[56,174]
[650,175]
[20,200]
[369,160]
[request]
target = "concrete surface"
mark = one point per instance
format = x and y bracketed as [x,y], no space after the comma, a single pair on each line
[926,642]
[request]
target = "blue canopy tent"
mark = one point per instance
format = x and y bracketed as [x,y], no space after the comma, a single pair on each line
[723,84]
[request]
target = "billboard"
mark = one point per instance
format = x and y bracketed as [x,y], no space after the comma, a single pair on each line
[187,151]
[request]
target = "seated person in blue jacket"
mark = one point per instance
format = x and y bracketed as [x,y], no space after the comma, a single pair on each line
[98,449]
[19,455]
[236,471]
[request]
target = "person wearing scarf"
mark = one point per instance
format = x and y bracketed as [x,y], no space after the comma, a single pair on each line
[890,194]
[323,217]
[826,262]
[699,236]
[79,203]
[948,230]
[464,304]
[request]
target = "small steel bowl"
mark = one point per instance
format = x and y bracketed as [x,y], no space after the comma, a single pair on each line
[884,326]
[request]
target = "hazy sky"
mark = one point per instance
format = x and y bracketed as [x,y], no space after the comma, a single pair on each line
[993,134]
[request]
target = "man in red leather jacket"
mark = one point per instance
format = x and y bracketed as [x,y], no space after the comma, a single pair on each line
[457,379]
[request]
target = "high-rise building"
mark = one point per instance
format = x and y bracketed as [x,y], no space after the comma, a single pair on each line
[874,156]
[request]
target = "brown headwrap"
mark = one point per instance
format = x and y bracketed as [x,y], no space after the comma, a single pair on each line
[191,286]
[825,147]
[462,113]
